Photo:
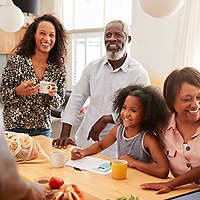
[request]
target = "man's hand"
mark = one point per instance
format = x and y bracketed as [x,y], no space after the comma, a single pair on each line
[99,126]
[26,88]
[62,142]
[161,187]
[64,139]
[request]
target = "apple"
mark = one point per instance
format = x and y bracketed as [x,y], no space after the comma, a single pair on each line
[55,182]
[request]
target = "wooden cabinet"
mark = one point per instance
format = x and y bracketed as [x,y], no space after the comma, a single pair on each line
[10,40]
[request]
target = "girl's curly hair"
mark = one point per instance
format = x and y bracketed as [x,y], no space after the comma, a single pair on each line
[58,53]
[156,112]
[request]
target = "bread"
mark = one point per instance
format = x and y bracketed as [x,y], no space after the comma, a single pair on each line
[22,146]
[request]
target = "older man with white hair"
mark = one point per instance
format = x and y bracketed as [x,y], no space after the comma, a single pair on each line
[100,80]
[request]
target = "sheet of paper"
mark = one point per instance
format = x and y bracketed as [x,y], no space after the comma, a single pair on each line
[91,164]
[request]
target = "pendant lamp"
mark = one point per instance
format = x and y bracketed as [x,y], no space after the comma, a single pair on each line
[28,6]
[161,8]
[12,18]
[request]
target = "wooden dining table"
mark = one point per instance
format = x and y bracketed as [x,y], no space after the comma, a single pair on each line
[95,186]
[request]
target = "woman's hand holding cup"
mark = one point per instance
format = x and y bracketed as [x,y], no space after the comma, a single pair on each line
[52,90]
[47,87]
[26,88]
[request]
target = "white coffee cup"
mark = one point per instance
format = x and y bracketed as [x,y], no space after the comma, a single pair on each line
[45,87]
[57,158]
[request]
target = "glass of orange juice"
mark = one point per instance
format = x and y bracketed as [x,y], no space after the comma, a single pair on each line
[119,169]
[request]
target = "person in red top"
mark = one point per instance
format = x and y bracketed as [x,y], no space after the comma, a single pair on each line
[182,138]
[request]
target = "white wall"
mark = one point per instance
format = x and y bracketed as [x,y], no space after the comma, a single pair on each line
[47,6]
[154,42]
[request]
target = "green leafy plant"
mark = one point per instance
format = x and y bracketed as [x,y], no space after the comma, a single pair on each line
[127,198]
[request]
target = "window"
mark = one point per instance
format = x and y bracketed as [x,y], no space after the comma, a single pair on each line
[85,20]
[85,48]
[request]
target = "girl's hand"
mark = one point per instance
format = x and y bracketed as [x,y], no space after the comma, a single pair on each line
[77,153]
[128,158]
[53,90]
[26,88]
[161,187]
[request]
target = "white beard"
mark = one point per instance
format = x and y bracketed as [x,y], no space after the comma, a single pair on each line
[116,55]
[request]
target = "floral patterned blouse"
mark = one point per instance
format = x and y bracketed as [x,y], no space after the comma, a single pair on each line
[29,112]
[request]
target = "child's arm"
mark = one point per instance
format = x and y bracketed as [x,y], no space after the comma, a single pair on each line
[97,147]
[164,187]
[159,166]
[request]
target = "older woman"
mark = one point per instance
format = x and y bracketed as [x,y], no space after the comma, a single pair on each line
[182,138]
[39,57]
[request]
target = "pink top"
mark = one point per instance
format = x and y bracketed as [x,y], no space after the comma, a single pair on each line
[182,157]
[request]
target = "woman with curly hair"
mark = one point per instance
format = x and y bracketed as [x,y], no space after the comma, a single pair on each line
[40,56]
[143,113]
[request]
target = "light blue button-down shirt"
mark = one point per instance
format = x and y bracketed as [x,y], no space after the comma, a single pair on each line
[100,82]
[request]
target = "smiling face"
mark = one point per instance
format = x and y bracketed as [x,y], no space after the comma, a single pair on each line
[115,41]
[187,103]
[132,113]
[45,37]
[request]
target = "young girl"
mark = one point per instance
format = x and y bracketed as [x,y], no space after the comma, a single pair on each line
[142,113]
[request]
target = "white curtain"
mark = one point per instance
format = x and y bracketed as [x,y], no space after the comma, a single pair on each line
[58,9]
[54,7]
[188,35]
